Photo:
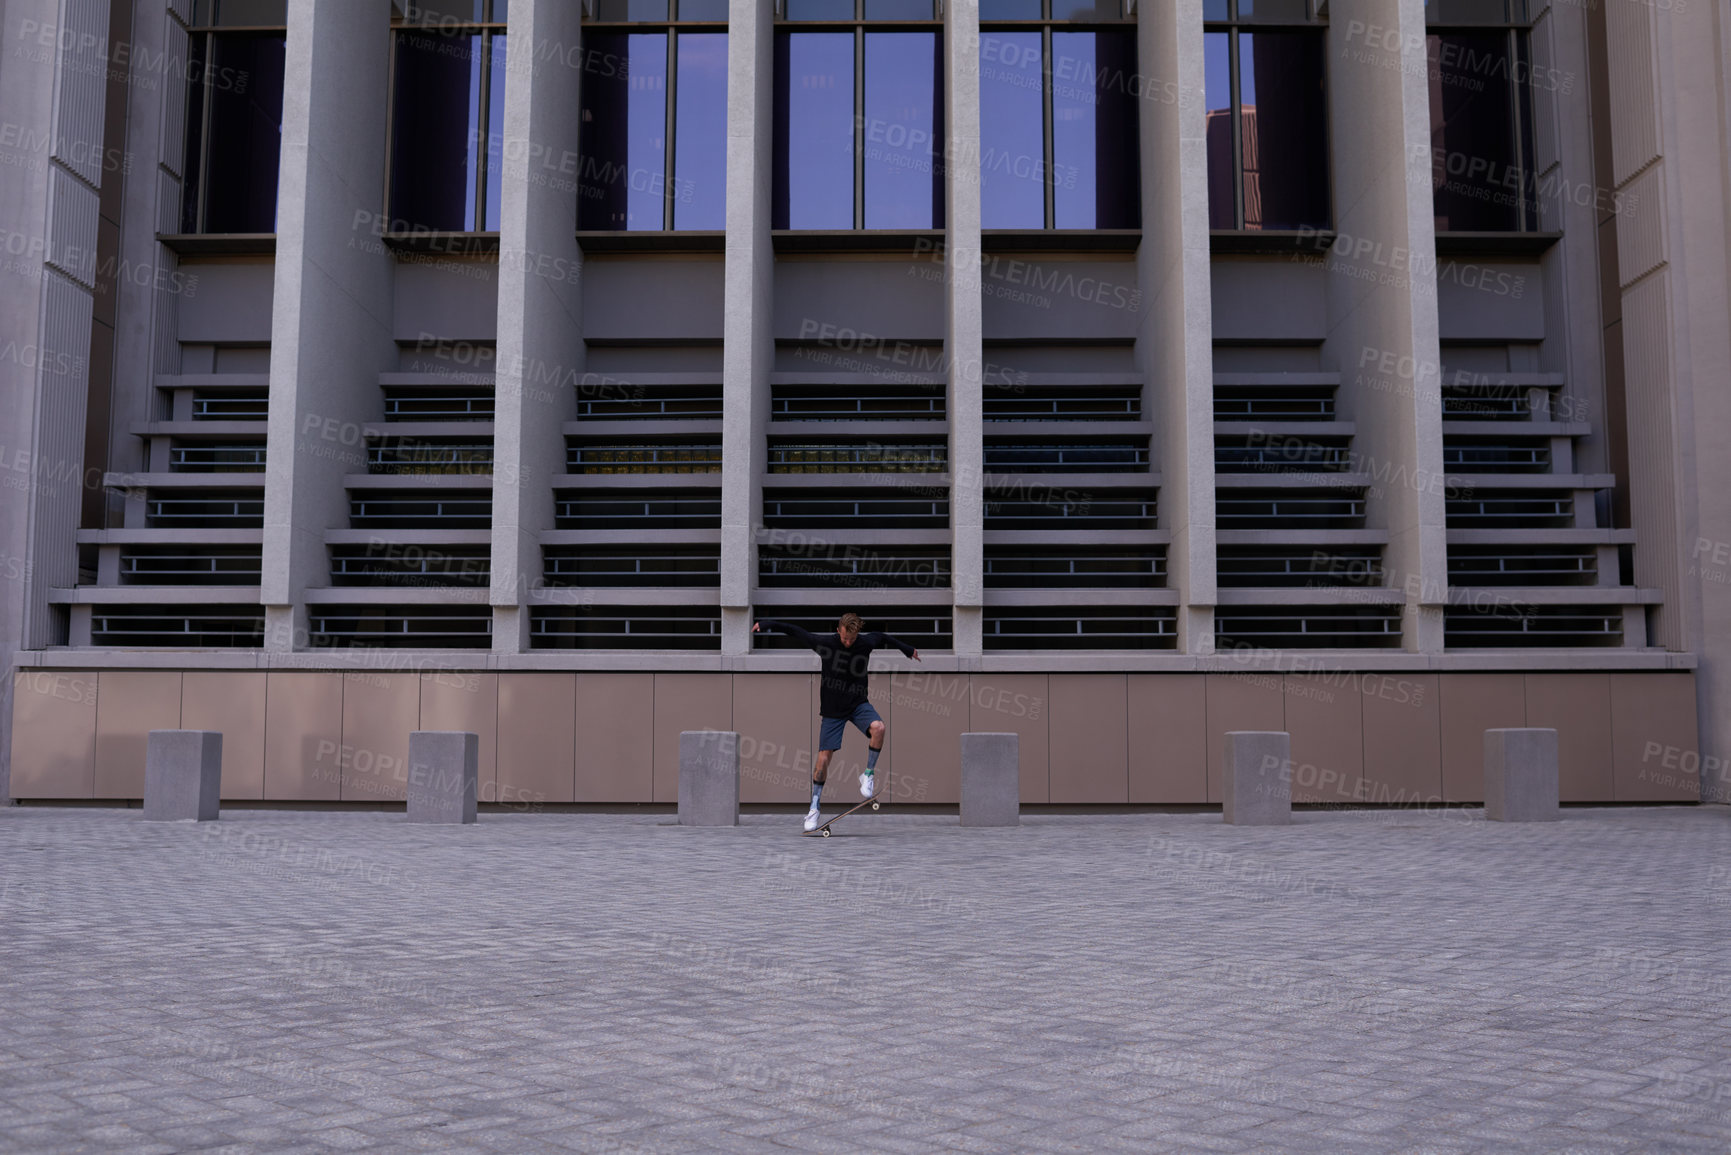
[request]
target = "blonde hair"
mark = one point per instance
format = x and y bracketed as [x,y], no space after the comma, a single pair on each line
[851,622]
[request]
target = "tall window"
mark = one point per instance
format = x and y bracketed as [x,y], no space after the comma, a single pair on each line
[1481,116]
[1267,119]
[654,134]
[234,116]
[859,116]
[1058,124]
[448,116]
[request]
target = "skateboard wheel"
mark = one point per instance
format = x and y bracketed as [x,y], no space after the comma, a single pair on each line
[874,806]
[826,832]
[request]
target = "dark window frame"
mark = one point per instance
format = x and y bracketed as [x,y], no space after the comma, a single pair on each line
[487,29]
[1523,127]
[1046,25]
[671,28]
[1234,26]
[860,26]
[195,140]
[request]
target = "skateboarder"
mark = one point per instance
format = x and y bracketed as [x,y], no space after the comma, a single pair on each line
[845,654]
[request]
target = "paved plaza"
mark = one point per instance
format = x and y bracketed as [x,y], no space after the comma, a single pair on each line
[1358,982]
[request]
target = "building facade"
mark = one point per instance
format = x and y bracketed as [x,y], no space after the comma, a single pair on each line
[1159,368]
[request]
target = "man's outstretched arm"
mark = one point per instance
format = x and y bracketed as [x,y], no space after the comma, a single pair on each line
[803,636]
[875,640]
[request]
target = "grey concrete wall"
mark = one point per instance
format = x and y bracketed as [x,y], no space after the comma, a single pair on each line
[1174,346]
[331,325]
[540,305]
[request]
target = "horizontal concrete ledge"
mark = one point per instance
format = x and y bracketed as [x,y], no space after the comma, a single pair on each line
[1042,662]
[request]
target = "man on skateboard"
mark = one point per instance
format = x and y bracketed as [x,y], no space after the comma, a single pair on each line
[842,696]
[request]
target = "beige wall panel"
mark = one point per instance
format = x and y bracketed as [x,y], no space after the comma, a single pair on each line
[537,737]
[1325,716]
[53,733]
[928,716]
[1017,704]
[233,702]
[379,711]
[303,735]
[1472,704]
[615,749]
[1655,738]
[1090,730]
[1578,707]
[467,700]
[686,702]
[1240,702]
[775,717]
[1402,738]
[1168,738]
[129,705]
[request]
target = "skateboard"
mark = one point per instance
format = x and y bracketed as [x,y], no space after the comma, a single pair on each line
[823,830]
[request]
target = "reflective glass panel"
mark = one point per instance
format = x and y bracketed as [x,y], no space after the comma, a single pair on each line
[1292,11]
[632,10]
[1285,130]
[1475,171]
[495,131]
[245,92]
[1009,9]
[1095,154]
[899,10]
[241,13]
[902,184]
[703,10]
[1216,10]
[1217,71]
[820,9]
[1087,9]
[434,137]
[814,130]
[1012,142]
[622,185]
[700,133]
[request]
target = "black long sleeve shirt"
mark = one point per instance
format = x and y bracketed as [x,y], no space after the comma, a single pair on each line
[842,685]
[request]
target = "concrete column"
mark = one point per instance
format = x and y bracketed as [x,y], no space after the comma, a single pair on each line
[52,86]
[1670,68]
[964,349]
[1382,306]
[991,780]
[709,778]
[444,766]
[331,319]
[540,318]
[749,345]
[1521,776]
[1257,787]
[1175,341]
[182,775]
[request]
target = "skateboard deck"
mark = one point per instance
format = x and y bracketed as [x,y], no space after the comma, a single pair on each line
[823,831]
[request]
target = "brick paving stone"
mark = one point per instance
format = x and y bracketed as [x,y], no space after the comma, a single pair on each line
[322,981]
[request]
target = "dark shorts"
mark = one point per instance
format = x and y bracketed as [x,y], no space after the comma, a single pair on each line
[829,738]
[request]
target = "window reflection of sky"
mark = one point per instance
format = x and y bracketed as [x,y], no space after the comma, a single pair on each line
[646,130]
[1013,154]
[900,126]
[700,133]
[820,130]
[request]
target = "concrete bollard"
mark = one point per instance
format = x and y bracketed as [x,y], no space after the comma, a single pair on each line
[182,775]
[709,778]
[443,768]
[1257,789]
[1521,776]
[991,780]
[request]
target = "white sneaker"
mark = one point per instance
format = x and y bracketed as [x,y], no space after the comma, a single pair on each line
[811,819]
[867,784]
